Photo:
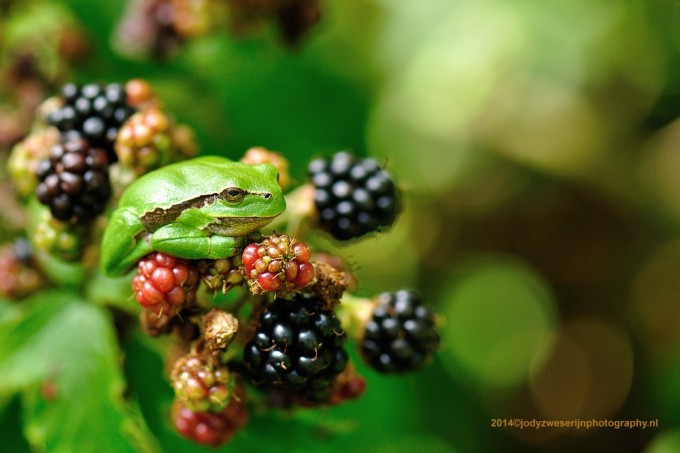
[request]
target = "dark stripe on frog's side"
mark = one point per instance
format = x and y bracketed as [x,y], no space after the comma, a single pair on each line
[159,217]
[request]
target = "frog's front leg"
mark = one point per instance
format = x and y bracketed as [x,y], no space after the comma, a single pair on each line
[188,242]
[124,243]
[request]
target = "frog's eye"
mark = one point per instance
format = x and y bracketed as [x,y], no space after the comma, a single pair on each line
[234,194]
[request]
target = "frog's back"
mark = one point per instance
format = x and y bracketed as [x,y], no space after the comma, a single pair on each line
[178,182]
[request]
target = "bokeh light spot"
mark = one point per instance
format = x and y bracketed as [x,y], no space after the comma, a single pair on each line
[667,442]
[655,298]
[587,374]
[500,316]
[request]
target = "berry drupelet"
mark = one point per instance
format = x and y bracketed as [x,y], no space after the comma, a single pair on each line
[298,347]
[94,112]
[74,180]
[352,196]
[400,336]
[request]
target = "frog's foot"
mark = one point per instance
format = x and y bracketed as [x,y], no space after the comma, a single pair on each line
[191,243]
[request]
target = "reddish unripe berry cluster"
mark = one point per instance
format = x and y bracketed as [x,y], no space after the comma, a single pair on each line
[164,283]
[200,384]
[208,428]
[279,264]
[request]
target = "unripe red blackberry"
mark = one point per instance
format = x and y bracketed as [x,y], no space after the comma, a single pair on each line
[208,428]
[74,181]
[279,264]
[400,336]
[145,141]
[142,142]
[352,196]
[93,111]
[165,284]
[298,346]
[200,385]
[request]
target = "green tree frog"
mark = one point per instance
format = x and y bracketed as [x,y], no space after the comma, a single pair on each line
[196,209]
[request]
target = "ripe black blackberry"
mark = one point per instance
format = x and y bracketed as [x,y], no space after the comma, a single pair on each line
[400,336]
[93,111]
[352,196]
[299,347]
[74,180]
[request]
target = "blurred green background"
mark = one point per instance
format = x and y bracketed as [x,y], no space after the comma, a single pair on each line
[538,151]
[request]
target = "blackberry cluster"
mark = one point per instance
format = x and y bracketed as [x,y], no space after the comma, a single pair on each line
[143,142]
[299,346]
[352,196]
[94,112]
[165,284]
[279,264]
[74,180]
[400,336]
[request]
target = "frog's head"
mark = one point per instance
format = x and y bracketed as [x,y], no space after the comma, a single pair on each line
[250,197]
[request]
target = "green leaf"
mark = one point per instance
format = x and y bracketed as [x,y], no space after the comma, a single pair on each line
[63,356]
[7,310]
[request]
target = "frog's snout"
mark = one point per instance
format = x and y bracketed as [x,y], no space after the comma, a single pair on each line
[267,196]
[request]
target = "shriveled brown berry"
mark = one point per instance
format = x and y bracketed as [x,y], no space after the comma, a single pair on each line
[341,265]
[219,329]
